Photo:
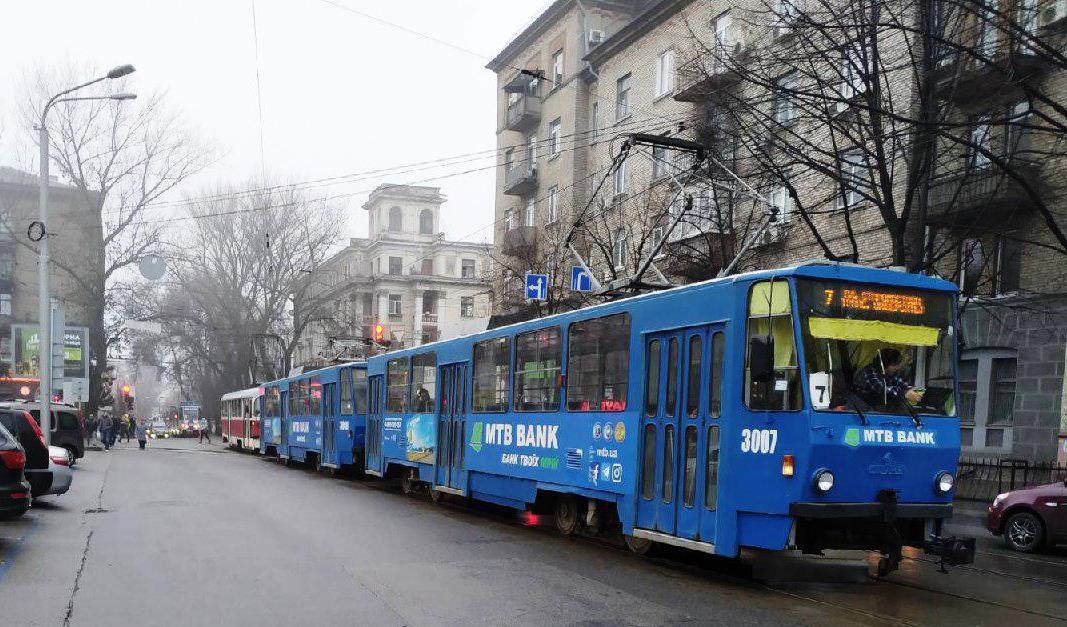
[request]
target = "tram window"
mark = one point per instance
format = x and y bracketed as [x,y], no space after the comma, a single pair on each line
[648,465]
[711,470]
[692,388]
[689,477]
[396,386]
[770,325]
[492,365]
[346,391]
[538,355]
[598,363]
[423,382]
[672,377]
[715,379]
[668,463]
[652,379]
[314,396]
[359,390]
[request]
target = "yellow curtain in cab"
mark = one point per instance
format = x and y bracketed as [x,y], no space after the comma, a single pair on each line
[767,301]
[872,330]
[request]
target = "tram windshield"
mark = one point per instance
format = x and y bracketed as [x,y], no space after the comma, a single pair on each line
[877,348]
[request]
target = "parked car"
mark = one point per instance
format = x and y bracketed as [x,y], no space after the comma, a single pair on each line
[1030,518]
[22,425]
[59,465]
[14,489]
[68,425]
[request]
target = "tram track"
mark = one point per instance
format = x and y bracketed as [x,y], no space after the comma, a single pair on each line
[991,571]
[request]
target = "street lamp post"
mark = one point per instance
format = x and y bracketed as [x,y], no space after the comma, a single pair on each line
[44,306]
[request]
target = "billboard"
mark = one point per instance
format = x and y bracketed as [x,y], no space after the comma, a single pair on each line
[25,347]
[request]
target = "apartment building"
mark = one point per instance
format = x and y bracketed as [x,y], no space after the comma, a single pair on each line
[405,276]
[724,74]
[76,246]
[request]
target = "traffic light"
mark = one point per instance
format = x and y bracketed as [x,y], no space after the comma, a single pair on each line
[379,333]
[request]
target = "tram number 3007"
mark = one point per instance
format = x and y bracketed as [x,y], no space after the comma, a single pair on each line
[759,440]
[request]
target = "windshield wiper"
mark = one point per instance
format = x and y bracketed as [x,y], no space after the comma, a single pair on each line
[914,417]
[852,399]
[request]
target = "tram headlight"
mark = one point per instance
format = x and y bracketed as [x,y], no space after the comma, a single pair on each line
[823,480]
[944,481]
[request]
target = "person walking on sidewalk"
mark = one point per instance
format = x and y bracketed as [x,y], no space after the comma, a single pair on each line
[106,428]
[142,434]
[205,426]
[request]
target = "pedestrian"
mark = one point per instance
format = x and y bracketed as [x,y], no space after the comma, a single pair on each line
[205,426]
[142,434]
[107,425]
[90,429]
[127,426]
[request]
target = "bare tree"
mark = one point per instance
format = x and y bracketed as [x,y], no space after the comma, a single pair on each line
[121,158]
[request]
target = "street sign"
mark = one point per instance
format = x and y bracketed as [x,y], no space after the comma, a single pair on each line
[536,287]
[581,280]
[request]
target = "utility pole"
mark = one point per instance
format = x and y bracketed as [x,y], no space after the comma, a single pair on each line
[38,231]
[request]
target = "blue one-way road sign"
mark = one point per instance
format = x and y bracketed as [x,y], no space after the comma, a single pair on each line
[537,287]
[581,281]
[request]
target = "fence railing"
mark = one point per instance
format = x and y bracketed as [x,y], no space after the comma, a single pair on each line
[981,479]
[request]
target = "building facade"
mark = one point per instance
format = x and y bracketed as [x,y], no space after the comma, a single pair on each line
[787,108]
[405,276]
[76,250]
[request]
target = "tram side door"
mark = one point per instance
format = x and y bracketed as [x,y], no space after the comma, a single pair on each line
[329,421]
[283,424]
[451,426]
[373,438]
[659,431]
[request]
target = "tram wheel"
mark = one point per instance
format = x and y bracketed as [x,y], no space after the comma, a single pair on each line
[638,546]
[568,522]
[289,462]
[407,485]
[437,496]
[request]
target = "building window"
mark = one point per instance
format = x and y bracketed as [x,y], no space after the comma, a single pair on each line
[509,159]
[554,142]
[530,215]
[619,249]
[987,37]
[396,265]
[784,109]
[655,238]
[395,306]
[531,151]
[509,220]
[598,363]
[661,161]
[426,222]
[5,304]
[726,41]
[968,389]
[368,304]
[980,141]
[467,268]
[595,121]
[427,267]
[987,396]
[972,262]
[622,97]
[787,12]
[557,69]
[1002,390]
[620,178]
[853,179]
[664,74]
[396,219]
[853,72]
[1009,267]
[553,204]
[782,202]
[466,307]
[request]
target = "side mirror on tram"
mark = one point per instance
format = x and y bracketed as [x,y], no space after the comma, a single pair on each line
[761,359]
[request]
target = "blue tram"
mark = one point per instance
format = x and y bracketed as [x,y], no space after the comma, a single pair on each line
[811,407]
[317,417]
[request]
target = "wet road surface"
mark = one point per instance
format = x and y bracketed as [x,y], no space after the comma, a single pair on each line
[187,534]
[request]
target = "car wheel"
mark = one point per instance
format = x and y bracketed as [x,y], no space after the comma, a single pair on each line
[1024,532]
[72,457]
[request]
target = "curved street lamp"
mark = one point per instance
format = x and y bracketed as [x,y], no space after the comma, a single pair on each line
[44,308]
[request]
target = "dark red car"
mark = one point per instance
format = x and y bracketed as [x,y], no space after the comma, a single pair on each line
[1031,517]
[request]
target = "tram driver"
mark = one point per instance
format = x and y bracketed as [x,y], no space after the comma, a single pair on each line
[881,382]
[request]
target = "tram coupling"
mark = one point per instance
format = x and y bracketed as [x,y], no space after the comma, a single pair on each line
[953,551]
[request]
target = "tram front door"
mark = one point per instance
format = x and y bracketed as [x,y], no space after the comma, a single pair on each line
[678,487]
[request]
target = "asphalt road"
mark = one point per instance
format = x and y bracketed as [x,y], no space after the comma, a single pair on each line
[182,534]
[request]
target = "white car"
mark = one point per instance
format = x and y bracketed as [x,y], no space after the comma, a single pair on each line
[59,466]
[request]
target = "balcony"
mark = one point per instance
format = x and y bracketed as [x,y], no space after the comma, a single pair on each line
[429,318]
[981,195]
[523,113]
[700,78]
[520,179]
[520,241]
[962,78]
